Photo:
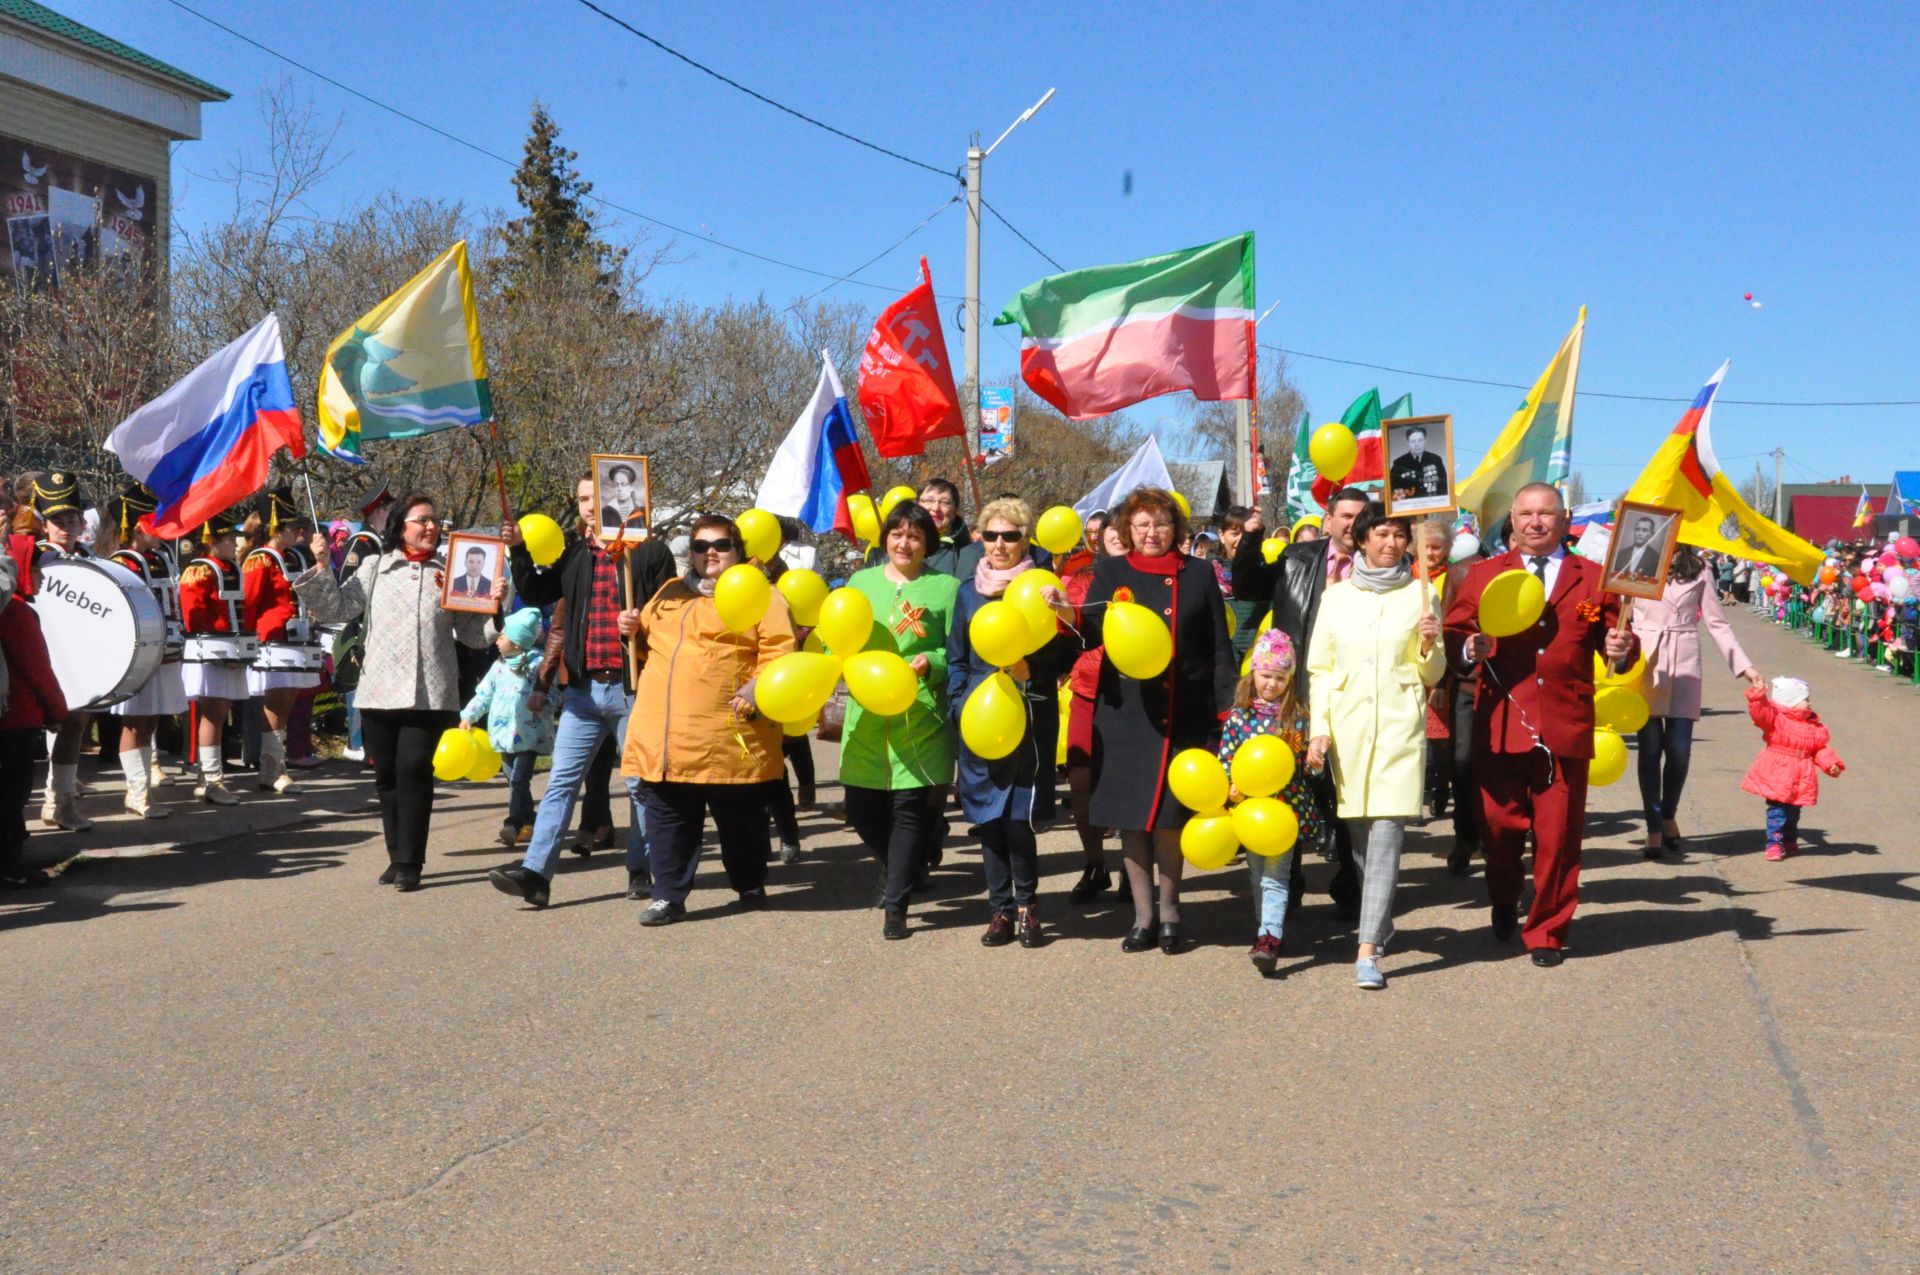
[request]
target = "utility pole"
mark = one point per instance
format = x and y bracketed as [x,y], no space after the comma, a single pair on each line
[1779,493]
[1243,472]
[970,395]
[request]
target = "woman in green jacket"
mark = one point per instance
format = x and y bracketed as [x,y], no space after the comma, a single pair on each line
[893,768]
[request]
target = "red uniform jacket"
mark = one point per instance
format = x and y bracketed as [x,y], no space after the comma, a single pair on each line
[1543,676]
[35,699]
[269,597]
[202,609]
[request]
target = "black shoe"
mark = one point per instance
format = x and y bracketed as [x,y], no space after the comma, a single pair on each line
[1141,939]
[521,880]
[1506,920]
[1000,931]
[1171,940]
[1460,861]
[406,879]
[1093,883]
[393,870]
[896,926]
[639,883]
[789,852]
[508,835]
[662,912]
[753,900]
[1547,957]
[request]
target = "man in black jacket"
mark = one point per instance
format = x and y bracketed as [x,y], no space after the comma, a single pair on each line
[1295,581]
[593,583]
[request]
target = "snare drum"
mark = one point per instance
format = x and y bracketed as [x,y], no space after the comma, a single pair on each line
[289,656]
[105,632]
[239,649]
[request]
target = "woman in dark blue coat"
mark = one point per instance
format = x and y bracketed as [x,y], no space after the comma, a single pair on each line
[1007,797]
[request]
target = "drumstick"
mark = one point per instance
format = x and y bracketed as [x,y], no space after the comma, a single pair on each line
[313,510]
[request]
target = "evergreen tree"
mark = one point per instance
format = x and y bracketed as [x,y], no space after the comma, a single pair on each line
[558,229]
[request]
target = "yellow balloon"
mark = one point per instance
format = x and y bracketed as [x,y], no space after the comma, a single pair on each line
[999,633]
[893,497]
[1272,548]
[795,729]
[1262,766]
[866,519]
[1246,662]
[1512,602]
[796,686]
[1198,779]
[1066,709]
[1605,676]
[1609,759]
[1266,825]
[1333,449]
[1266,622]
[1233,621]
[454,755]
[486,762]
[1042,626]
[813,643]
[543,538]
[1057,530]
[741,595]
[761,531]
[881,681]
[804,591]
[1186,510]
[994,720]
[846,621]
[1032,584]
[1137,640]
[1208,841]
[1619,709]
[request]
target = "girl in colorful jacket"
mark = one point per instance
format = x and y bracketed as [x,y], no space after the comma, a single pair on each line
[1784,774]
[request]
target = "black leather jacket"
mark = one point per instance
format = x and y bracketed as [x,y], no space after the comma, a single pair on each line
[1294,581]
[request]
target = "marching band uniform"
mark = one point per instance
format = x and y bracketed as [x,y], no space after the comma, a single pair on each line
[273,614]
[211,590]
[164,693]
[60,494]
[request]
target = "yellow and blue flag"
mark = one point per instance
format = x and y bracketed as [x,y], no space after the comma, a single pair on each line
[412,365]
[1537,444]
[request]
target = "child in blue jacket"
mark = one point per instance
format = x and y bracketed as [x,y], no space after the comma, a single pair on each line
[520,723]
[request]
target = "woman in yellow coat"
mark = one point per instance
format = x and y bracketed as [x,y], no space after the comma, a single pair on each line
[695,741]
[1373,654]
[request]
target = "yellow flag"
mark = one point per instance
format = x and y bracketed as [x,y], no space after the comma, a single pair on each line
[1685,475]
[1537,444]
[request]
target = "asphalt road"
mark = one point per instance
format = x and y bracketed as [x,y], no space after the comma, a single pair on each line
[242,1055]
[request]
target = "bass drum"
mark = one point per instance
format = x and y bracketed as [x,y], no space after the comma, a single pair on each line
[105,631]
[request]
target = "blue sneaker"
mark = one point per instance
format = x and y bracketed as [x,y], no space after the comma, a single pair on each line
[1366,974]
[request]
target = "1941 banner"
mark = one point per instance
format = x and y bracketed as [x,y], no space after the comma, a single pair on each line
[63,211]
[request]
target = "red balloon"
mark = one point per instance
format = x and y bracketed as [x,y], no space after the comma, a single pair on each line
[1747,297]
[1906,547]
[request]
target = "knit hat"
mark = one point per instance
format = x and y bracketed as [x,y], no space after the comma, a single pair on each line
[523,628]
[1272,653]
[1789,692]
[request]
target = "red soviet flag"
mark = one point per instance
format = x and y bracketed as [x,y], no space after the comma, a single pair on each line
[906,383]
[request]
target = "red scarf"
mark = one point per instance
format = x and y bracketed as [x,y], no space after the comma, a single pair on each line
[418,555]
[1166,564]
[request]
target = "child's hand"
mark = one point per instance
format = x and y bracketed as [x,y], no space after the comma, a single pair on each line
[1233,794]
[465,724]
[1317,752]
[1837,769]
[536,701]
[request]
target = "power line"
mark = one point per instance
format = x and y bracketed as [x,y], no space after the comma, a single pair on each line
[1022,238]
[848,276]
[502,159]
[704,69]
[1635,398]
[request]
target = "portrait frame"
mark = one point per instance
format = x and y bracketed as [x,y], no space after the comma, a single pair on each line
[455,598]
[608,522]
[1393,447]
[1616,575]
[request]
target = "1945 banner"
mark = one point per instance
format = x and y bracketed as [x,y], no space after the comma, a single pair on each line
[62,211]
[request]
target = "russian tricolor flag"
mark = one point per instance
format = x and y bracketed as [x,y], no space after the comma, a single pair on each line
[205,444]
[819,462]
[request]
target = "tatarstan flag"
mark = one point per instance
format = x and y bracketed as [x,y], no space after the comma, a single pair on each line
[1097,340]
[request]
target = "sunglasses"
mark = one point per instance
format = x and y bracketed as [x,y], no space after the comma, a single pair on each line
[722,545]
[1002,537]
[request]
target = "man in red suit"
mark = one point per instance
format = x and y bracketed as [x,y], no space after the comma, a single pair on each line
[1533,717]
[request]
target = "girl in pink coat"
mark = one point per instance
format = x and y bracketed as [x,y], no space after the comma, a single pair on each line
[1797,745]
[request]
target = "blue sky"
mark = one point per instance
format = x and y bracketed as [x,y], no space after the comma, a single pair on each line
[1432,188]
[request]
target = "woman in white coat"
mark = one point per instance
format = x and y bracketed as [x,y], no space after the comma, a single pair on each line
[1372,656]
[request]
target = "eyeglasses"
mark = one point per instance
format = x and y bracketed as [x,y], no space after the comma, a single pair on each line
[1002,537]
[422,522]
[722,545]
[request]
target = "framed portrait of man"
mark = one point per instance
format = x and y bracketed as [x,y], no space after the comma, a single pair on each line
[1419,464]
[1641,551]
[622,496]
[474,562]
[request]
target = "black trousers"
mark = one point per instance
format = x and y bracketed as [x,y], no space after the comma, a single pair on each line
[596,809]
[400,743]
[799,754]
[676,815]
[1012,862]
[1344,888]
[1466,793]
[17,751]
[895,826]
[778,799]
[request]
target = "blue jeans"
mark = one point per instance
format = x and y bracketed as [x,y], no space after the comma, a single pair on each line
[587,716]
[354,741]
[1783,824]
[1271,881]
[520,788]
[1666,751]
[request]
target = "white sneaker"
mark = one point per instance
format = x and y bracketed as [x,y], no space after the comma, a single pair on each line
[216,794]
[354,754]
[284,783]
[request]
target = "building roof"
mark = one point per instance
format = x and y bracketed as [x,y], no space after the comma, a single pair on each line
[1204,484]
[44,19]
[1906,485]
[1846,486]
[1827,517]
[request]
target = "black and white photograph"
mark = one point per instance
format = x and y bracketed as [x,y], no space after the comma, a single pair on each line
[1644,538]
[474,562]
[31,241]
[620,493]
[1419,455]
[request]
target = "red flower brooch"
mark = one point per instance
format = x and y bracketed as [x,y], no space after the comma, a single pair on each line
[1588,611]
[1123,594]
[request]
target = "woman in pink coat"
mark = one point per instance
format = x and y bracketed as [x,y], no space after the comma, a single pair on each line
[1669,633]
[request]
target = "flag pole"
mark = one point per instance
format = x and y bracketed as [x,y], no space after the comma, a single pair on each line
[968,460]
[313,509]
[499,474]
